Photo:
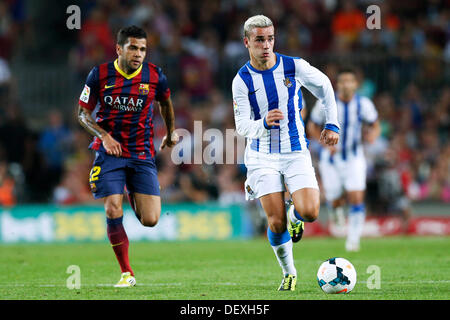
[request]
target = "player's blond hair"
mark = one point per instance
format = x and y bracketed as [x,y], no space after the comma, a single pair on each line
[258,21]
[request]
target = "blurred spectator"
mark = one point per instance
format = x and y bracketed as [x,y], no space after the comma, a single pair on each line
[5,82]
[230,184]
[14,133]
[7,183]
[96,27]
[55,144]
[6,30]
[168,175]
[383,39]
[196,76]
[73,186]
[366,86]
[348,22]
[413,102]
[442,114]
[96,42]
[392,196]
[197,185]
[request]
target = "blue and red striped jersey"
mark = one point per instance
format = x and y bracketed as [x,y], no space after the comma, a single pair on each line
[124,105]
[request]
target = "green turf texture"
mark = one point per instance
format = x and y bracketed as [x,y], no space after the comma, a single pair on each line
[411,268]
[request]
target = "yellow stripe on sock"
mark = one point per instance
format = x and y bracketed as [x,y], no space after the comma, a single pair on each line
[117,244]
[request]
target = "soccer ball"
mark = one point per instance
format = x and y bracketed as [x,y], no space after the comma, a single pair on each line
[336,275]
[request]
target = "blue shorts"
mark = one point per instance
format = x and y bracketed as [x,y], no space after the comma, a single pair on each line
[110,174]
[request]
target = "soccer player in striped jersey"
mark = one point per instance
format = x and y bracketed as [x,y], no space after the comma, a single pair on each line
[123,94]
[343,166]
[267,108]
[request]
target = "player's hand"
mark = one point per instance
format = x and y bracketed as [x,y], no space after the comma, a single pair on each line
[332,149]
[329,137]
[111,146]
[169,140]
[274,115]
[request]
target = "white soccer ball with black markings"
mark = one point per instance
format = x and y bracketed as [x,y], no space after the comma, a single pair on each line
[336,275]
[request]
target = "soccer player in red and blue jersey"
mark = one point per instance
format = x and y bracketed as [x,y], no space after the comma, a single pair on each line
[123,94]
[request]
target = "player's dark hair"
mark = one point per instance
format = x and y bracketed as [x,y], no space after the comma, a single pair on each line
[130,32]
[346,69]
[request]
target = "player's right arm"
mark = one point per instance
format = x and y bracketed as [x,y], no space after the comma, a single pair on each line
[111,146]
[86,105]
[245,126]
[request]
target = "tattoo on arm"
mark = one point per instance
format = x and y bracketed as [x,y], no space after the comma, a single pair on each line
[88,123]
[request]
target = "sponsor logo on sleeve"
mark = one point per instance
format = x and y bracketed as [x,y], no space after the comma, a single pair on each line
[235,107]
[85,94]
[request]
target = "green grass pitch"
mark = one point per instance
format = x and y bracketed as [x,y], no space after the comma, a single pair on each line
[411,268]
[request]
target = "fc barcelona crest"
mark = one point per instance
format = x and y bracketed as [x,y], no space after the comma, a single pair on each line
[144,88]
[287,82]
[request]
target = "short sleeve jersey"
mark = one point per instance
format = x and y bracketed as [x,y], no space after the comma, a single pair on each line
[124,105]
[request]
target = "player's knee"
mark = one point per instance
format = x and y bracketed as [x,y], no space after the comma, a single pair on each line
[149,222]
[113,210]
[310,212]
[277,225]
[150,219]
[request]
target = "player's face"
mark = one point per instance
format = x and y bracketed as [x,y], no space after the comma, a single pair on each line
[347,85]
[260,43]
[132,53]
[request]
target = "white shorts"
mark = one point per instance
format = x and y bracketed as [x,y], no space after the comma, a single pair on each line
[269,172]
[340,176]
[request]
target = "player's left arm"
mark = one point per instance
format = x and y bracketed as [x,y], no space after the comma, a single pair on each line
[320,86]
[369,114]
[166,109]
[371,132]
[167,113]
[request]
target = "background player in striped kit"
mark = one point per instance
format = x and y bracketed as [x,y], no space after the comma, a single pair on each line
[343,167]
[267,104]
[123,94]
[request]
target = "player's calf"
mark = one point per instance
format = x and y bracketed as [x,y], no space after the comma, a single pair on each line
[274,207]
[148,208]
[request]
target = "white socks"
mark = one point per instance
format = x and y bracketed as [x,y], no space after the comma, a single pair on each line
[285,257]
[282,246]
[292,216]
[356,218]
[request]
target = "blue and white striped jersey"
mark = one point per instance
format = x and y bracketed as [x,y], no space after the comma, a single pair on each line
[256,92]
[351,115]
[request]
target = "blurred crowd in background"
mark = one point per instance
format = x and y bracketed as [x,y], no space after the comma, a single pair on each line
[403,67]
